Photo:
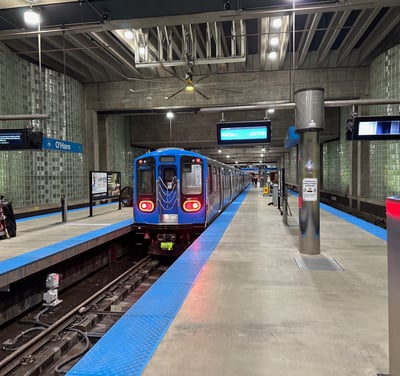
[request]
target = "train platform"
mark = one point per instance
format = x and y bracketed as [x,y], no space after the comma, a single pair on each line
[242,300]
[45,240]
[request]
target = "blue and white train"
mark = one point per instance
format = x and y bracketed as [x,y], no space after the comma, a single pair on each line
[177,194]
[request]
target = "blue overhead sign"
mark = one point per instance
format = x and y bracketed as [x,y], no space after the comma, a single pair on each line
[244,132]
[292,138]
[61,145]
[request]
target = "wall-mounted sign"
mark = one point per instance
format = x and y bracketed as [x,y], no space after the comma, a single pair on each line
[310,189]
[61,145]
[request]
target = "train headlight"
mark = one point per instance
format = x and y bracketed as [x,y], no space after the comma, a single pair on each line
[146,206]
[191,206]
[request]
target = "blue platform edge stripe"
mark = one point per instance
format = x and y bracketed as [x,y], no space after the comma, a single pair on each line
[377,231]
[32,256]
[129,345]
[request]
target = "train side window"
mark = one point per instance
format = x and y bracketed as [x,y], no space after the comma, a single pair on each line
[145,179]
[219,179]
[214,178]
[191,179]
[209,179]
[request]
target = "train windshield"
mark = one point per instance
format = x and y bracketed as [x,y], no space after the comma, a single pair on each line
[191,179]
[145,179]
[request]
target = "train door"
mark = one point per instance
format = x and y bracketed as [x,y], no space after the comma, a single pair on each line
[167,193]
[221,186]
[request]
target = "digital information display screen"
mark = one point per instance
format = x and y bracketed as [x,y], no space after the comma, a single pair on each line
[248,132]
[9,137]
[376,128]
[20,139]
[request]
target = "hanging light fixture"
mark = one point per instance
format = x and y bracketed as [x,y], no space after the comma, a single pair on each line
[31,17]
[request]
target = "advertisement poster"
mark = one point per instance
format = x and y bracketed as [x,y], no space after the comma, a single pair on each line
[113,184]
[98,184]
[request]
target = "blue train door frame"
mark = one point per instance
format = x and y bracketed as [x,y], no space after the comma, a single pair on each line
[167,192]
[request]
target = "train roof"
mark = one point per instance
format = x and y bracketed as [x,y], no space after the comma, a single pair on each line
[171,151]
[180,152]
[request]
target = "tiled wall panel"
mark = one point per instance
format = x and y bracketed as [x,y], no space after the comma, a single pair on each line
[384,157]
[32,178]
[120,153]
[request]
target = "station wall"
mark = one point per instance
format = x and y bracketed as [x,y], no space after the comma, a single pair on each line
[30,178]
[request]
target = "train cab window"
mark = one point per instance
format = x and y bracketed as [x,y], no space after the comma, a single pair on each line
[145,179]
[169,177]
[191,179]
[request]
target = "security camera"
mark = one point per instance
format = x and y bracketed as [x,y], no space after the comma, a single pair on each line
[227,5]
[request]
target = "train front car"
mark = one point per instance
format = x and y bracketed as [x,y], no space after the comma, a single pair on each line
[169,200]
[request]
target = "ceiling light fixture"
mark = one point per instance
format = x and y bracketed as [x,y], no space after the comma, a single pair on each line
[189,88]
[277,23]
[273,55]
[274,41]
[128,34]
[142,51]
[31,17]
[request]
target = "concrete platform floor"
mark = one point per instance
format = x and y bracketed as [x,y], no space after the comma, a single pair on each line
[253,312]
[41,231]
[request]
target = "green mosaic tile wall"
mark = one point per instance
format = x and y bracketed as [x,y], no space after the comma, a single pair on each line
[119,150]
[336,161]
[36,178]
[384,160]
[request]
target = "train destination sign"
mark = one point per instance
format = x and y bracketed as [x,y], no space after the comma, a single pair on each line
[376,128]
[244,132]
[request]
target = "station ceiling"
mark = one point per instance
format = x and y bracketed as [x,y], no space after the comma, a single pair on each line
[103,41]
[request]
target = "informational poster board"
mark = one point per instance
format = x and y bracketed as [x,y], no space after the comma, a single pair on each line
[113,184]
[98,185]
[104,185]
[310,189]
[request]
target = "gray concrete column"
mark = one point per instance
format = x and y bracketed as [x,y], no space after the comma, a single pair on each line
[309,121]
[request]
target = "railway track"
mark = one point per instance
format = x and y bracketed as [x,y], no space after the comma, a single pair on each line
[55,340]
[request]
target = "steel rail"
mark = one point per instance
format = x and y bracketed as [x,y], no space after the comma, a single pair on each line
[13,360]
